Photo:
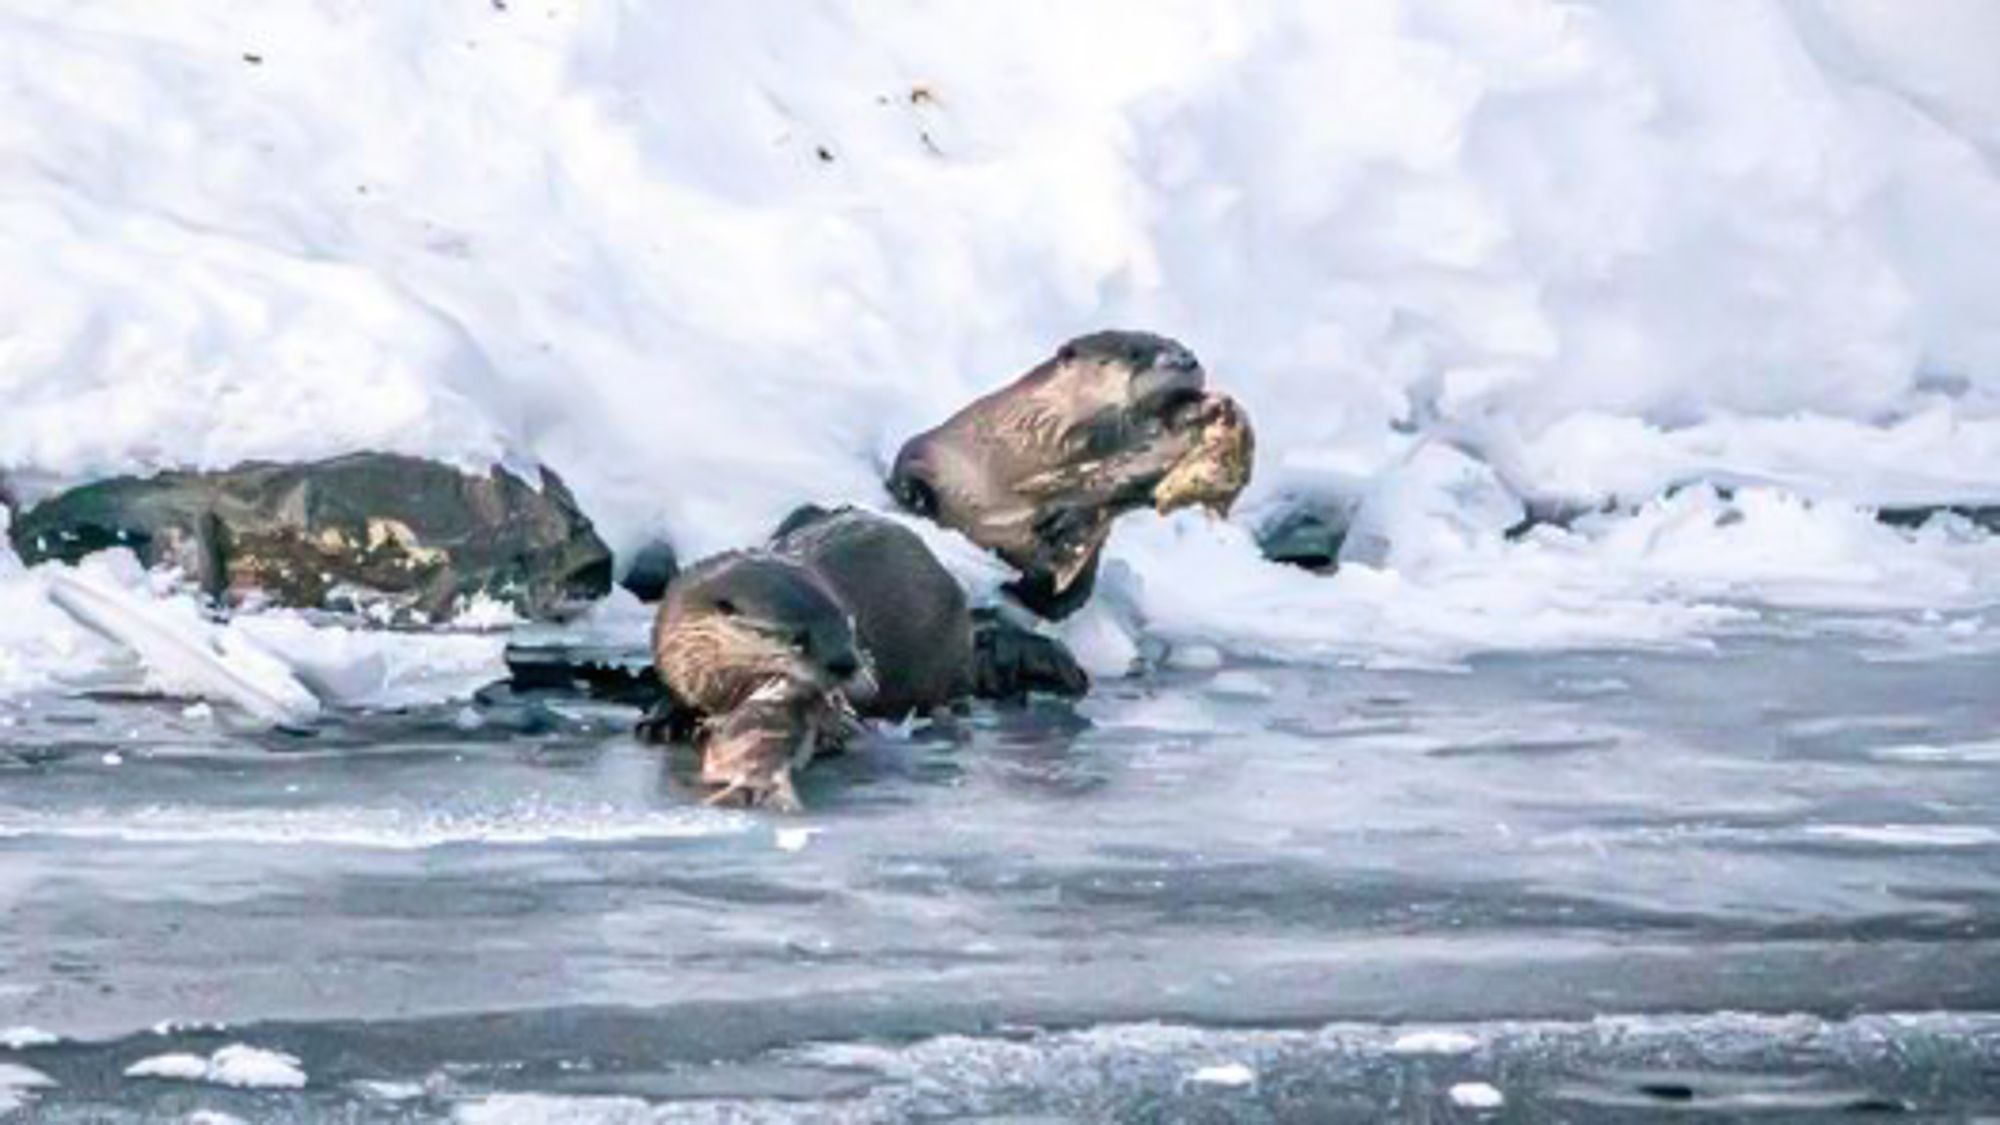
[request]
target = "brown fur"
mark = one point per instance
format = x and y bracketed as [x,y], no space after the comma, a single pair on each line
[776,648]
[910,615]
[1037,471]
[714,663]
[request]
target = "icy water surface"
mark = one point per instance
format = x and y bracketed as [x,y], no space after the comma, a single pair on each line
[1761,883]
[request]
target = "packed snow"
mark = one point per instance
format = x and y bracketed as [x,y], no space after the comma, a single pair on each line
[1719,276]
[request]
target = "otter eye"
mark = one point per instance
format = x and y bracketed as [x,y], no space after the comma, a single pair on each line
[919,497]
[802,641]
[725,607]
[1065,353]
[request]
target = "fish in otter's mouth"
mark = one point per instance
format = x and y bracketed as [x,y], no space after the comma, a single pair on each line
[1215,466]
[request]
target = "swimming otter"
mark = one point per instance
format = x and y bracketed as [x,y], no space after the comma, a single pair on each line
[772,653]
[1038,470]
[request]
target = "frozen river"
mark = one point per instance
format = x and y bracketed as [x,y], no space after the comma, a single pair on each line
[1761,882]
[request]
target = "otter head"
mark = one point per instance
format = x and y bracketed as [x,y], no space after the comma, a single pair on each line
[1037,471]
[735,624]
[1115,383]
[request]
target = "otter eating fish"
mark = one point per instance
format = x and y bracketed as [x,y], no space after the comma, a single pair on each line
[1038,470]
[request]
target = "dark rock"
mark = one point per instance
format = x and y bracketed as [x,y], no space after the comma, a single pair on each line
[1986,516]
[362,531]
[1010,662]
[652,570]
[1307,536]
[1562,512]
[618,675]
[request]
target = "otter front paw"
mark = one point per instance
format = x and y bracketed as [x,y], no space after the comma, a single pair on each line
[1010,661]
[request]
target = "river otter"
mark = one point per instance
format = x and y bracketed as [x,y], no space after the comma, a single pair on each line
[1038,470]
[771,653]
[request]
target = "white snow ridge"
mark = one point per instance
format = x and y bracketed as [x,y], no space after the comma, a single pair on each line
[236,1065]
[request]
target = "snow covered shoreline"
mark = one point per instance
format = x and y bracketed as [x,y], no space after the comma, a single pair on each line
[710,264]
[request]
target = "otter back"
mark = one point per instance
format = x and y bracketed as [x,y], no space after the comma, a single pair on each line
[909,612]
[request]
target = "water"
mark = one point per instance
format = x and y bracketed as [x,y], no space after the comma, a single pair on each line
[1761,882]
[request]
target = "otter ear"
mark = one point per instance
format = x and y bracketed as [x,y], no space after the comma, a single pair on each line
[725,607]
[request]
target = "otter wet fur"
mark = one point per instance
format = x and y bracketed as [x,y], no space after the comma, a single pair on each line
[776,650]
[757,648]
[735,622]
[1038,470]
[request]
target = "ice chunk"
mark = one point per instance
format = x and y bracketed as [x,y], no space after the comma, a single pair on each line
[1239,684]
[17,1084]
[253,1068]
[1234,1075]
[236,1065]
[1194,657]
[793,839]
[184,653]
[1435,504]
[1101,641]
[22,1037]
[1434,1043]
[178,1066]
[1476,1095]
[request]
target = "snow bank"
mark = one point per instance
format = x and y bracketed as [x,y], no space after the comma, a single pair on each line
[710,261]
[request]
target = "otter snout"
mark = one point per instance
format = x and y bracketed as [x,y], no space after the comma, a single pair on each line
[1173,379]
[1174,356]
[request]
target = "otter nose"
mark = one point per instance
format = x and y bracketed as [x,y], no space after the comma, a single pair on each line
[1174,357]
[844,665]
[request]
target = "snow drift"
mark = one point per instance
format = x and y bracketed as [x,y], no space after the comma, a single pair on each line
[709,262]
